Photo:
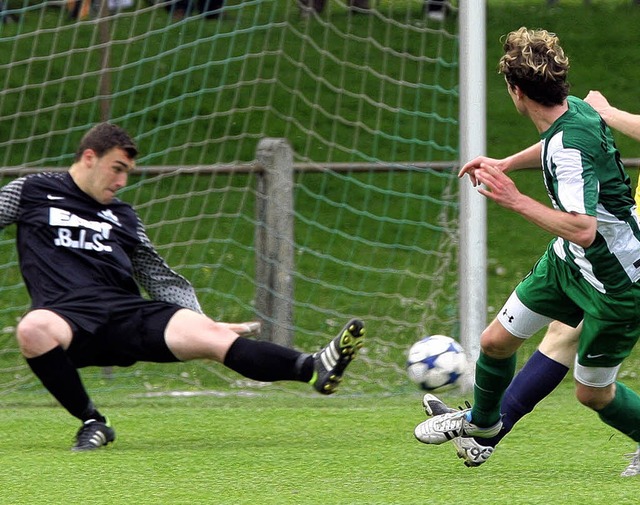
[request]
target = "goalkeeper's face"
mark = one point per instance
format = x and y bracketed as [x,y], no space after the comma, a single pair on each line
[107,174]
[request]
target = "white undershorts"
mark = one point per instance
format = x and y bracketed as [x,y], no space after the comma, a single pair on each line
[519,320]
[522,322]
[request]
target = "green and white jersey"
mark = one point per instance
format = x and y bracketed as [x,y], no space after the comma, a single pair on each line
[583,174]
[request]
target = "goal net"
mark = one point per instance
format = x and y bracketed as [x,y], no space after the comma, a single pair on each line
[367,100]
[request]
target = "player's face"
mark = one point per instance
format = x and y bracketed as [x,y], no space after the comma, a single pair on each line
[109,173]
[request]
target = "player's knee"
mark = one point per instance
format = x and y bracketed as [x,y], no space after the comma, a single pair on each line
[596,398]
[37,333]
[29,335]
[560,343]
[495,346]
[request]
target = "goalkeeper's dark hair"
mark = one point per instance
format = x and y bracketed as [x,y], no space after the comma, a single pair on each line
[534,61]
[105,136]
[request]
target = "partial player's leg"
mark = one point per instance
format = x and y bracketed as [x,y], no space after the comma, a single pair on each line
[540,375]
[604,344]
[194,336]
[494,370]
[493,375]
[43,337]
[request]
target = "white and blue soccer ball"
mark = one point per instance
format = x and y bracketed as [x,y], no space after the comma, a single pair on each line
[436,362]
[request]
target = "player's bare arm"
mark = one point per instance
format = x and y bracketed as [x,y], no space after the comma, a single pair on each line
[527,158]
[577,228]
[624,122]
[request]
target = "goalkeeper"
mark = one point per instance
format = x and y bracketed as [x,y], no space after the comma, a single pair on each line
[84,253]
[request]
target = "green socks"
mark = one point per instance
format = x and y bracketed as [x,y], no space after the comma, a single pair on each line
[623,413]
[493,376]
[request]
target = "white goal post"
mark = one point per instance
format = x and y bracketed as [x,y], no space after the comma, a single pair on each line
[473,212]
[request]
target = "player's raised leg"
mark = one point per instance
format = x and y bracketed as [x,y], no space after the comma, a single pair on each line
[190,335]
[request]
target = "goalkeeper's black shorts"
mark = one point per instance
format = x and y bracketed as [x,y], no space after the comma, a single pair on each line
[115,328]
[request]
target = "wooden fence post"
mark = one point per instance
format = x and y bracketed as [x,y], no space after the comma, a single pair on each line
[274,240]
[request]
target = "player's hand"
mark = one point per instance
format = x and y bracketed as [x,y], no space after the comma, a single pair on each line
[497,186]
[597,101]
[470,167]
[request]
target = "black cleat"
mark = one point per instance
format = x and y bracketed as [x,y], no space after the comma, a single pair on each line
[93,435]
[330,363]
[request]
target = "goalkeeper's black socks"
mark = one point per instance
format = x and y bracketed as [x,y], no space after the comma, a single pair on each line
[62,380]
[268,362]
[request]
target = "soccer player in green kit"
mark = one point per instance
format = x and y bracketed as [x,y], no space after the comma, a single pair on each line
[590,272]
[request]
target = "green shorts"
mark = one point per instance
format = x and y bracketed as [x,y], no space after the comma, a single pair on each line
[611,321]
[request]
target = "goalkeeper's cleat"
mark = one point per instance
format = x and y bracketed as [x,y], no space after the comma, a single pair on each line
[634,467]
[444,427]
[94,434]
[330,363]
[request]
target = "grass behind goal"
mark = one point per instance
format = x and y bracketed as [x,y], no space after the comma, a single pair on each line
[378,88]
[380,245]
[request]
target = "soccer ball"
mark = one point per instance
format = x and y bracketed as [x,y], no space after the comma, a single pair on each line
[435,362]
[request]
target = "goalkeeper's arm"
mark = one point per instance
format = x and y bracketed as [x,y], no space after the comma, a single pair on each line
[155,276]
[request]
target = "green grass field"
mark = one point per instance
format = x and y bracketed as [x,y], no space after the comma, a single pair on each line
[290,447]
[305,450]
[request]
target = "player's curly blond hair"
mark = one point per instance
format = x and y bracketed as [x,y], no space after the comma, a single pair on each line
[534,61]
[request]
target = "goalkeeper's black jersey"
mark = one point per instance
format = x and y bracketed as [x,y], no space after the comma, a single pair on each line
[68,243]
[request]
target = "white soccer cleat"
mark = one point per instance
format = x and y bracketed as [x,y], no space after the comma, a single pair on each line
[471,451]
[445,427]
[434,406]
[634,467]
